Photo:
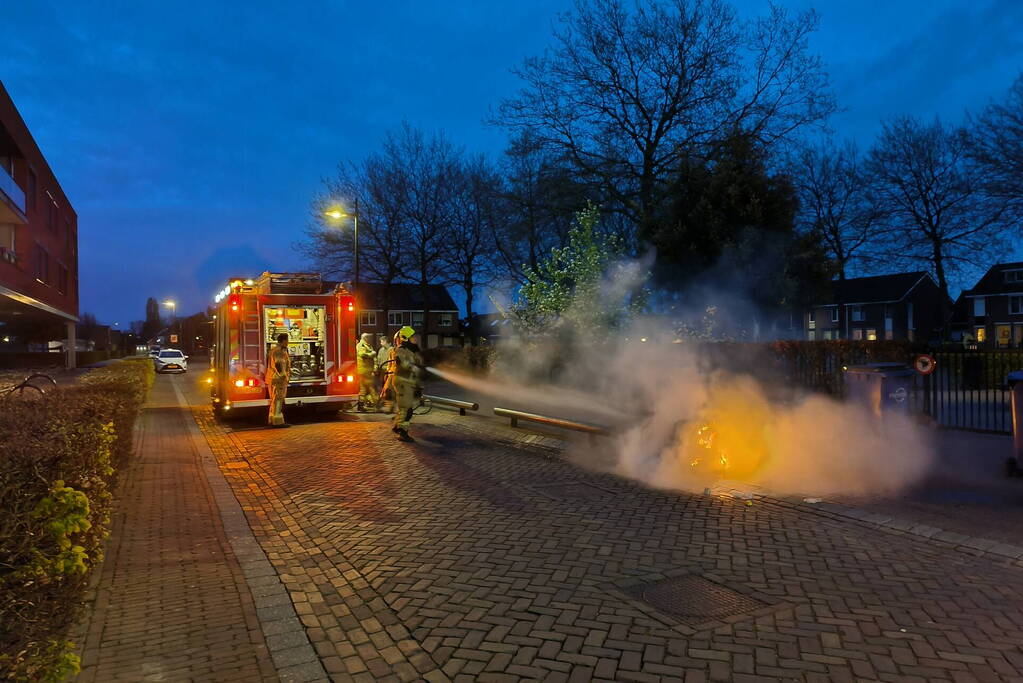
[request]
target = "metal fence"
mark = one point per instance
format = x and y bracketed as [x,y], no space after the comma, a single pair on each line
[966,390]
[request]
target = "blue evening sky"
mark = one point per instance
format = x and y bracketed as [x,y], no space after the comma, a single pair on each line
[191,135]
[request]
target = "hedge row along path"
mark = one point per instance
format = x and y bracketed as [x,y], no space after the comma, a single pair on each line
[171,602]
[465,557]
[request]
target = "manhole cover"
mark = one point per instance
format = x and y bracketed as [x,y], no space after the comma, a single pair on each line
[694,598]
[571,489]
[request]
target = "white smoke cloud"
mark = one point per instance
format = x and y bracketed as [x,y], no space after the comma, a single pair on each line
[686,421]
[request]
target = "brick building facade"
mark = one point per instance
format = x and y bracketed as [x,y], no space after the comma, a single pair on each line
[38,242]
[384,310]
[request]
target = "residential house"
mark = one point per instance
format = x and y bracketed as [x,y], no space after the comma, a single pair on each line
[898,306]
[991,314]
[383,311]
[38,242]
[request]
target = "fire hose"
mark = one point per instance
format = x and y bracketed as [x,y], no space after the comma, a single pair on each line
[422,401]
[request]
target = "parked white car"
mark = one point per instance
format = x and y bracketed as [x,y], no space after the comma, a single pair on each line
[171,360]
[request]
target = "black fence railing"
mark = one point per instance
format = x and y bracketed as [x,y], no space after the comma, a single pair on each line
[967,389]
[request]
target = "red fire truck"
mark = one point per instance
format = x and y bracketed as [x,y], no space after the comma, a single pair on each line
[320,323]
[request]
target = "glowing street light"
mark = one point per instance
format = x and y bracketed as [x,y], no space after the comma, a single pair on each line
[173,306]
[336,213]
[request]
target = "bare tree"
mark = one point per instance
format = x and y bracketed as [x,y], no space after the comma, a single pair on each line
[835,202]
[540,197]
[997,137]
[933,196]
[469,248]
[377,187]
[430,164]
[625,94]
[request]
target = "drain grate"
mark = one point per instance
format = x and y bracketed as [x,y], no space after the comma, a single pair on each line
[571,489]
[693,599]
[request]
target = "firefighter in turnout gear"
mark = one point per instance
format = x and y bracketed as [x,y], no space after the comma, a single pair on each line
[366,366]
[407,382]
[278,374]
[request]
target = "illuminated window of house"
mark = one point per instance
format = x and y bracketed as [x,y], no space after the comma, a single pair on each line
[1003,335]
[981,334]
[871,335]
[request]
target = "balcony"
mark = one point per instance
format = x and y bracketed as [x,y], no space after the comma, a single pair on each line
[12,200]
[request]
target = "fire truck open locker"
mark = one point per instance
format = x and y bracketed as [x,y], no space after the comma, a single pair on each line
[320,324]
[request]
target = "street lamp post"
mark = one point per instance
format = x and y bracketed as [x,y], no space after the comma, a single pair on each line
[337,214]
[172,305]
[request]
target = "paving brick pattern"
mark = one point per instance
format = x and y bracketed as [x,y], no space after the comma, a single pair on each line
[458,558]
[171,602]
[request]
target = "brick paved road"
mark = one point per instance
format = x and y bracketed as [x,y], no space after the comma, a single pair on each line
[455,557]
[171,603]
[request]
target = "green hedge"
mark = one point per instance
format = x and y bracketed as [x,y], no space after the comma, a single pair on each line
[59,458]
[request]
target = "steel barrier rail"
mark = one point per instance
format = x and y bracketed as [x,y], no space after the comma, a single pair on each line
[517,415]
[452,402]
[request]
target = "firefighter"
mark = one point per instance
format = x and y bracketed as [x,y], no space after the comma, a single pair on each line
[278,372]
[366,366]
[407,388]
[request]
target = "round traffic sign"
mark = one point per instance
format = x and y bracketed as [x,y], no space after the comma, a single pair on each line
[924,364]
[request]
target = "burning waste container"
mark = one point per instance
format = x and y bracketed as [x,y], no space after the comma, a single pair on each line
[880,387]
[1014,465]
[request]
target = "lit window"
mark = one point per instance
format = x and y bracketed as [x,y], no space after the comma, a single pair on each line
[871,334]
[981,334]
[811,335]
[1003,335]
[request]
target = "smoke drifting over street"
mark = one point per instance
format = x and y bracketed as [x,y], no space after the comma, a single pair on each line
[685,420]
[723,426]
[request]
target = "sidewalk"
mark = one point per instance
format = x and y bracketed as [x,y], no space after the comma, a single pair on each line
[171,602]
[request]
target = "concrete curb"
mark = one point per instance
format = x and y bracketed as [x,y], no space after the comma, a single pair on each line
[286,638]
[971,544]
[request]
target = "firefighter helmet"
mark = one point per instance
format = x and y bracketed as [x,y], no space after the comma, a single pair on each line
[406,333]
